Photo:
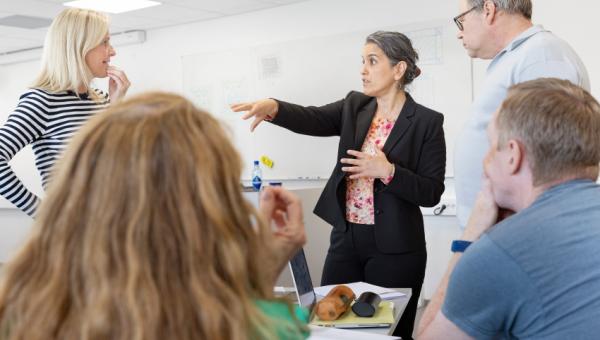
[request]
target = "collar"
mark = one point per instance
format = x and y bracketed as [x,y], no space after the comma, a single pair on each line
[521,38]
[79,95]
[518,40]
[365,117]
[410,106]
[565,186]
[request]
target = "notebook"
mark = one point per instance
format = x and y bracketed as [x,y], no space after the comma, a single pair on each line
[384,317]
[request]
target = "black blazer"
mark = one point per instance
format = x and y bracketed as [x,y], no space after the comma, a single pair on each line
[415,146]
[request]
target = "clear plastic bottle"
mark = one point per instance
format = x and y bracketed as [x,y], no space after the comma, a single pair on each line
[256,176]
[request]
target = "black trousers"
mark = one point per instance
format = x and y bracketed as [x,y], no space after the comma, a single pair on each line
[353,256]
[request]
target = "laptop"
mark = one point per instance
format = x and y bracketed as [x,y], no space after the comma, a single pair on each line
[305,292]
[307,298]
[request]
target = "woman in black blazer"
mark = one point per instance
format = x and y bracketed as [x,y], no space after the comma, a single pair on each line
[391,160]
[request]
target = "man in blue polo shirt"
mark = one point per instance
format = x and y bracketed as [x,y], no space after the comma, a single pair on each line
[501,30]
[535,274]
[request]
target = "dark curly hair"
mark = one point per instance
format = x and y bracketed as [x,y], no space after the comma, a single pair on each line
[397,47]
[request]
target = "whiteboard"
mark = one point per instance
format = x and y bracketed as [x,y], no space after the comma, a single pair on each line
[318,71]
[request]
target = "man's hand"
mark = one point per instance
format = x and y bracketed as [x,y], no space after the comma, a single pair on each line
[484,214]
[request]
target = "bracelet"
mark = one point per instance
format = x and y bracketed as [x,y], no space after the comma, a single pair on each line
[459,246]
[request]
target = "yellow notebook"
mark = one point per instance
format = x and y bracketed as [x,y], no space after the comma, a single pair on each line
[384,317]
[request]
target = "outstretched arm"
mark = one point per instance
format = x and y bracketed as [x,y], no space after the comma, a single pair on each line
[311,120]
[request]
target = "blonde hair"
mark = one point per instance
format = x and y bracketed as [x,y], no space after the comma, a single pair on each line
[144,234]
[559,125]
[522,7]
[73,33]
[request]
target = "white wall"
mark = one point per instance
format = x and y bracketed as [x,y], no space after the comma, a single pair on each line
[156,64]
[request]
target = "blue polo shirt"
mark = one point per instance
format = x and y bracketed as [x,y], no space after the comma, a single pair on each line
[535,53]
[535,275]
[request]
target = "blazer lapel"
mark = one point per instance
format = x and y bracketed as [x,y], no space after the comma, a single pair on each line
[402,124]
[363,123]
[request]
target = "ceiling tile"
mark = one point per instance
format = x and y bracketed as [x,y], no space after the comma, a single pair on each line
[229,7]
[55,1]
[10,44]
[44,9]
[171,13]
[25,21]
[282,2]
[129,22]
[175,13]
[21,33]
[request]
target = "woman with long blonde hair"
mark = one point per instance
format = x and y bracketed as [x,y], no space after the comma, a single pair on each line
[77,50]
[145,234]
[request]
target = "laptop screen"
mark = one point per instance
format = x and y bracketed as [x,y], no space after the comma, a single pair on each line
[302,281]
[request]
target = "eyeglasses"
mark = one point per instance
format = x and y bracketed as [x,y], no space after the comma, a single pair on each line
[458,20]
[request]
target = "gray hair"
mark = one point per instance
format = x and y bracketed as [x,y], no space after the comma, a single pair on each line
[397,47]
[523,7]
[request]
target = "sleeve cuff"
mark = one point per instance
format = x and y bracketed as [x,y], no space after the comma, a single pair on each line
[389,178]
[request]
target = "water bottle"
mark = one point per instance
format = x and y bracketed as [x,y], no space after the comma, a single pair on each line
[256,177]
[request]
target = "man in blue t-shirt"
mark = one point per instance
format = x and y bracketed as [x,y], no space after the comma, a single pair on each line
[535,274]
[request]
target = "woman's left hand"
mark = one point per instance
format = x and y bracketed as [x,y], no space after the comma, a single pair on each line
[118,84]
[283,210]
[365,165]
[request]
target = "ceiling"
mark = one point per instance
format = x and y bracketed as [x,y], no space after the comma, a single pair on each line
[170,13]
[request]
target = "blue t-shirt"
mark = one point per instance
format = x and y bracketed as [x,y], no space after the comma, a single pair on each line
[535,275]
[535,53]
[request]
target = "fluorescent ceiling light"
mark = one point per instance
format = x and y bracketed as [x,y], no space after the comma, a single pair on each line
[112,6]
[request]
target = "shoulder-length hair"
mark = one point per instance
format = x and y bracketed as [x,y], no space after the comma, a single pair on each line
[144,234]
[73,33]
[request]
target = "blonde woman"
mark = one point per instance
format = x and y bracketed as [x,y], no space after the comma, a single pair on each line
[145,235]
[77,50]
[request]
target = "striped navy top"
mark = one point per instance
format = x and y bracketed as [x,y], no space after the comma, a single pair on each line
[47,121]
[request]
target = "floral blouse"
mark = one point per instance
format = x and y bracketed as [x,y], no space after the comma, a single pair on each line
[360,208]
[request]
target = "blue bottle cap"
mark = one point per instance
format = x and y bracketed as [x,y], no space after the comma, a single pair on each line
[255,162]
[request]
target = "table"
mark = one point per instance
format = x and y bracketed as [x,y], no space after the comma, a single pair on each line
[399,306]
